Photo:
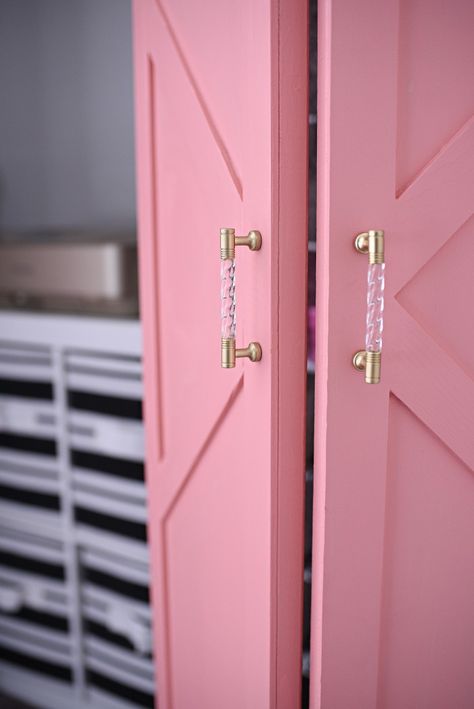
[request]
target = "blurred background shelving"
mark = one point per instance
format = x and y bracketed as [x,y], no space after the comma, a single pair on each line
[75,616]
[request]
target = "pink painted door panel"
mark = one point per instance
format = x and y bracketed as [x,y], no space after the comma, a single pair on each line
[221,142]
[393,620]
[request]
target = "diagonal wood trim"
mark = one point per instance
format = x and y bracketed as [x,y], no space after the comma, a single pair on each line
[433,386]
[422,207]
[202,102]
[169,504]
[171,497]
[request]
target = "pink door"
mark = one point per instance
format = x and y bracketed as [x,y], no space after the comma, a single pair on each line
[221,142]
[393,617]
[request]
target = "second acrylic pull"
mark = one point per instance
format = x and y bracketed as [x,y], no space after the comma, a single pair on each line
[229,351]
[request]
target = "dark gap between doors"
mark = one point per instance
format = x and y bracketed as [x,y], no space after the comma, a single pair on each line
[312,133]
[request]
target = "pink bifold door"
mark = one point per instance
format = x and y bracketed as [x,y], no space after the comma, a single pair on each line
[221,124]
[393,574]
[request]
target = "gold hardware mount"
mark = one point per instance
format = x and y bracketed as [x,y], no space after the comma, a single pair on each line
[358,360]
[370,363]
[371,243]
[229,352]
[229,241]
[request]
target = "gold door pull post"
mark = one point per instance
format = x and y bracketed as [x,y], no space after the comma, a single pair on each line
[370,363]
[229,241]
[229,351]
[371,243]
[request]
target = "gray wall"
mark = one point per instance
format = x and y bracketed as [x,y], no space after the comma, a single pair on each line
[66,114]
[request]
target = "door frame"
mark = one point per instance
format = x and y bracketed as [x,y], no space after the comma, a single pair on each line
[290,37]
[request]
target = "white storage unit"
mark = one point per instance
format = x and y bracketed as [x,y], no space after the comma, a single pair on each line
[75,618]
[29,465]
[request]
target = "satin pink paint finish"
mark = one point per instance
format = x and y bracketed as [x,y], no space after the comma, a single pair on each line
[221,120]
[393,579]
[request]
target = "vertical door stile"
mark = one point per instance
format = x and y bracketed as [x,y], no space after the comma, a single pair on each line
[221,144]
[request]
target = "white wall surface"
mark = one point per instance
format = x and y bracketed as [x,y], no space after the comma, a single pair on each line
[66,114]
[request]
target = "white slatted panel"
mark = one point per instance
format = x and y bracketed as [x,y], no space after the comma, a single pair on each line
[106,435]
[49,351]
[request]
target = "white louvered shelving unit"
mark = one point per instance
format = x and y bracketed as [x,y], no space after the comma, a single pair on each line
[75,618]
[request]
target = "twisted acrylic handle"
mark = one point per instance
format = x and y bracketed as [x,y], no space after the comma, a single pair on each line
[228,304]
[375,305]
[229,351]
[370,360]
